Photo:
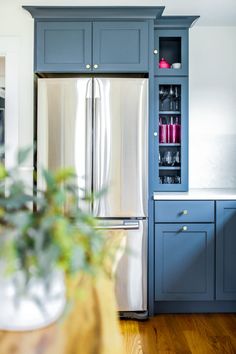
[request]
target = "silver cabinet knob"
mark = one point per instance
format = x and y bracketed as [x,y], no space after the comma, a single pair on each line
[155,51]
[184,228]
[185,212]
[88,66]
[155,133]
[95,66]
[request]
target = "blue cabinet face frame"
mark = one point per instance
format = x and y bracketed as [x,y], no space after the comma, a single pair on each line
[63,46]
[182,170]
[120,46]
[226,250]
[184,262]
[172,45]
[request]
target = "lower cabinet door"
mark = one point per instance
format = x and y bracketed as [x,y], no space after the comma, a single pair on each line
[226,250]
[184,262]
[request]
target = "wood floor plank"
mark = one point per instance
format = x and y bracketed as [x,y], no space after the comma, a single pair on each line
[181,334]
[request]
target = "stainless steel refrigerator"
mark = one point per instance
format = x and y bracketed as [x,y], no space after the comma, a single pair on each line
[99,125]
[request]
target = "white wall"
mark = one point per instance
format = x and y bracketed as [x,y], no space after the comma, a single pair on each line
[212,110]
[212,90]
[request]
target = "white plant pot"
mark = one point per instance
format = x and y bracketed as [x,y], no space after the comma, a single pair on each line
[24,313]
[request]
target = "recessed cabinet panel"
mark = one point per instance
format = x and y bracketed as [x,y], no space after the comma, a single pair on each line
[226,250]
[171,57]
[120,46]
[184,262]
[63,46]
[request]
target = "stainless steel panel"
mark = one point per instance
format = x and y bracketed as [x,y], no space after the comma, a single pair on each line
[65,127]
[131,267]
[120,146]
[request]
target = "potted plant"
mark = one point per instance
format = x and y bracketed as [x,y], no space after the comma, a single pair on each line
[45,238]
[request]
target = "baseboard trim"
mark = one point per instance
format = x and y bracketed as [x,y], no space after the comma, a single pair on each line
[195,307]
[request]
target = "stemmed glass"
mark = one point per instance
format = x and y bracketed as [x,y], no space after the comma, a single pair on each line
[171,96]
[176,99]
[162,94]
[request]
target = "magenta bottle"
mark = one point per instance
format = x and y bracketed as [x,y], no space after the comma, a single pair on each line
[177,128]
[175,132]
[162,131]
[171,131]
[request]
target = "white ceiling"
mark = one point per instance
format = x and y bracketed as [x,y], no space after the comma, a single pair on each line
[212,12]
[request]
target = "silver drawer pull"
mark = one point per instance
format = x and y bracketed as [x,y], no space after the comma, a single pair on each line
[132,225]
[184,228]
[185,212]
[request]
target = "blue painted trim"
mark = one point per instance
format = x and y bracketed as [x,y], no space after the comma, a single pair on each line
[152,128]
[195,307]
[176,22]
[92,12]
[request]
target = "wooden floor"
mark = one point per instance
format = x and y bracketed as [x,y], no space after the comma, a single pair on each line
[201,334]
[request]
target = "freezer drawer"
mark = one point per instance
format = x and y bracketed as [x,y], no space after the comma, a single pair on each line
[130,264]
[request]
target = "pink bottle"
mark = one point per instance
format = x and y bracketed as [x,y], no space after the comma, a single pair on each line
[177,131]
[171,129]
[162,132]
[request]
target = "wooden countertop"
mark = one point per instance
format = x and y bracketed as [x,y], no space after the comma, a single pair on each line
[91,327]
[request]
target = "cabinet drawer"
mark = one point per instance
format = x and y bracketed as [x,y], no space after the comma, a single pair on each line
[184,211]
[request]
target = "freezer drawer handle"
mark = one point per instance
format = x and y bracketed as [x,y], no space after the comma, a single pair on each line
[133,225]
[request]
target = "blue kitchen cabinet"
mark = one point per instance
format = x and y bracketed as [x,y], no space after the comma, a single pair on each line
[63,46]
[171,134]
[120,46]
[184,262]
[226,250]
[77,46]
[172,46]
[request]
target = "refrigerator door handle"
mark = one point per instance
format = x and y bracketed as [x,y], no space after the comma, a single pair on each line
[126,225]
[101,149]
[88,144]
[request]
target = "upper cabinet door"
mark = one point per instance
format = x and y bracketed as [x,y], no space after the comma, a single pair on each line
[63,46]
[120,46]
[171,49]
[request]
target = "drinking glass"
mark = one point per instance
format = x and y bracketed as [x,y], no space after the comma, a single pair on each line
[176,158]
[168,158]
[177,97]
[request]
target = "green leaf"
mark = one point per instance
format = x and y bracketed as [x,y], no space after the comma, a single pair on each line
[3,172]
